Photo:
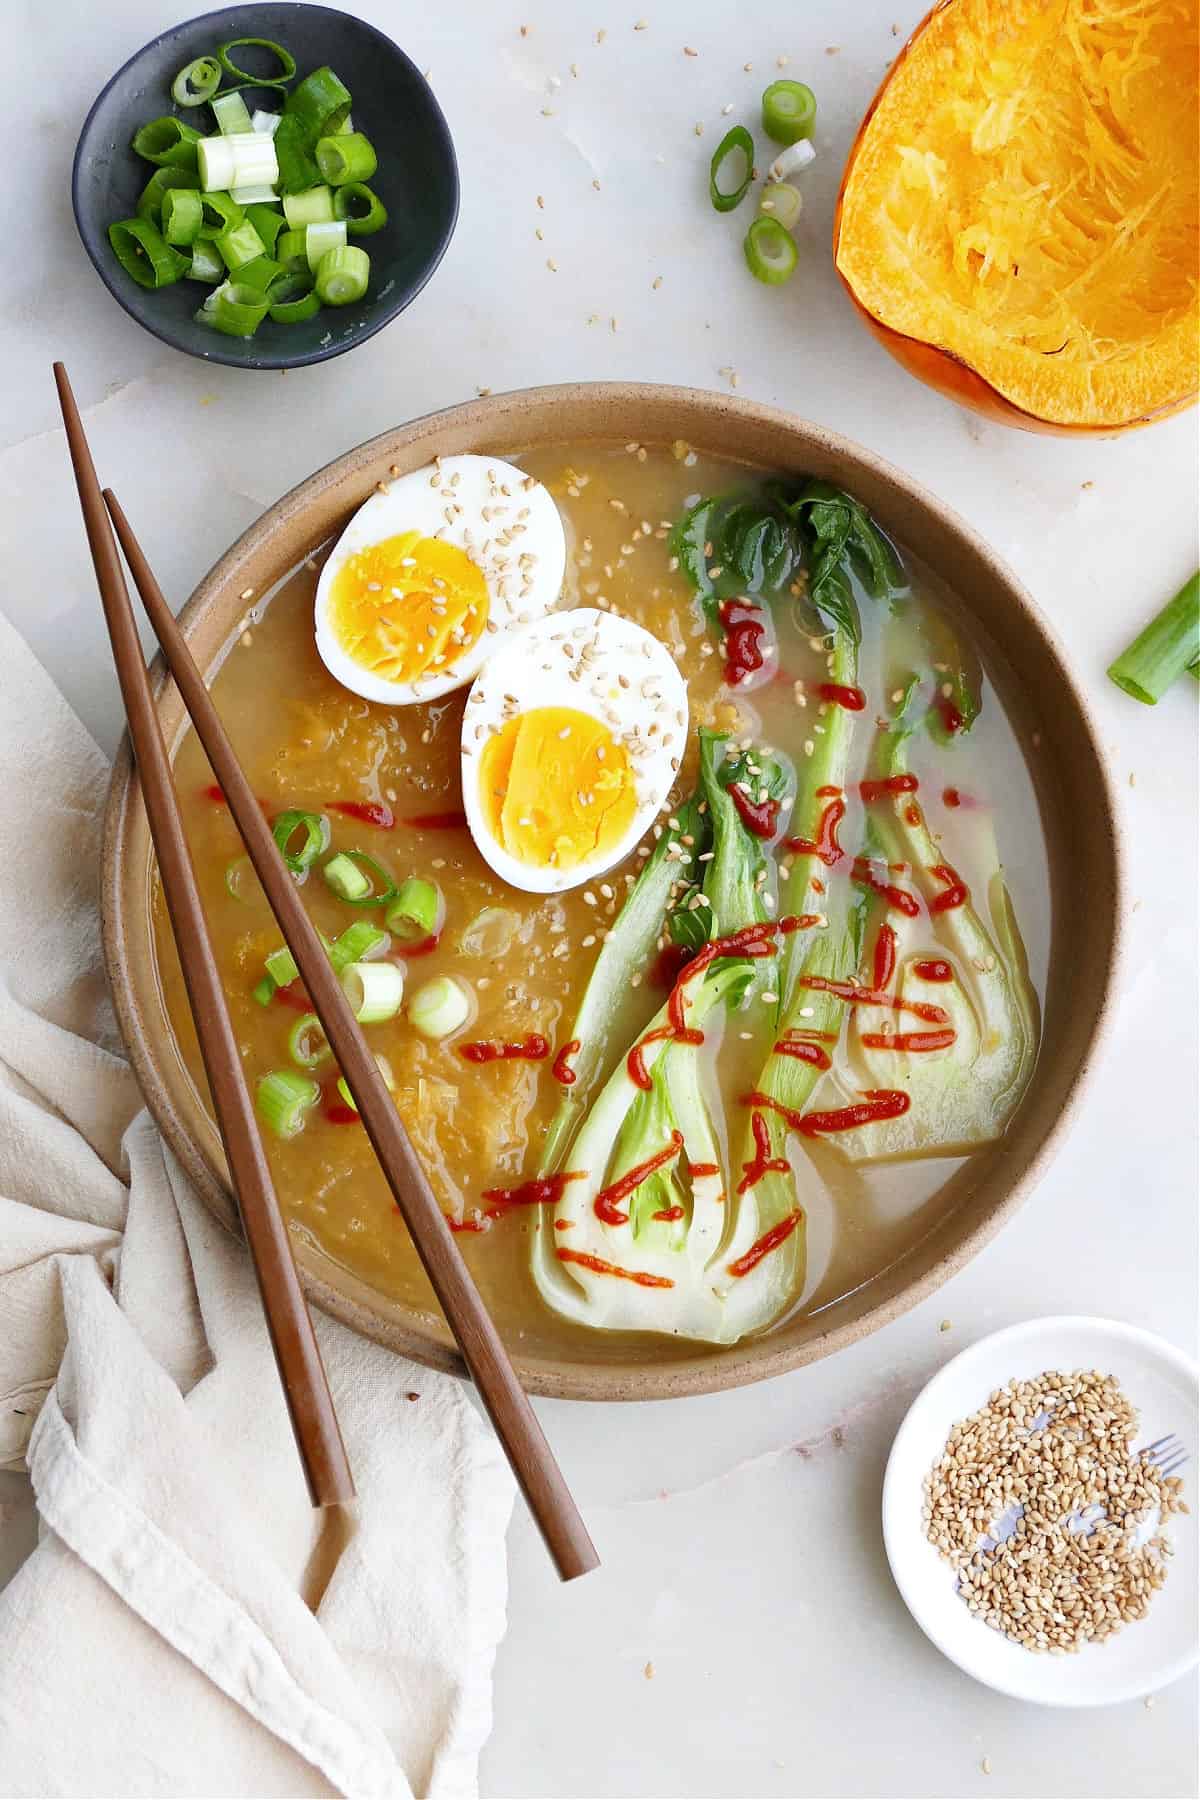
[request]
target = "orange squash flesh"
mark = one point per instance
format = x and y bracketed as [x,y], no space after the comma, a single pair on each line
[1018,220]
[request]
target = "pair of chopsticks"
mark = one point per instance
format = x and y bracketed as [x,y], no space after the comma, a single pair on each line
[302,1373]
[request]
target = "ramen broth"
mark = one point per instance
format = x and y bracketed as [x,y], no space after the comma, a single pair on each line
[388,780]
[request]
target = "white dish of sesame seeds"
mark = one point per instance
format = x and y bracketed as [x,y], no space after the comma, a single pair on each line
[1057,1612]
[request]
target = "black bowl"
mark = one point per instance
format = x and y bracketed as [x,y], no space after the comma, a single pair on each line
[417,178]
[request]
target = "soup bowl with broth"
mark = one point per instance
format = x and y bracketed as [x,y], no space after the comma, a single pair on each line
[717,847]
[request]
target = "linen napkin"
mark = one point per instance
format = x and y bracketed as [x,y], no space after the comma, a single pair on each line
[157,1641]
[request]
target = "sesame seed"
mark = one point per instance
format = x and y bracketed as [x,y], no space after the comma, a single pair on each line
[688,51]
[247,594]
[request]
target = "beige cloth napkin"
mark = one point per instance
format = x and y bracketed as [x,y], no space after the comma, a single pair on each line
[155,1642]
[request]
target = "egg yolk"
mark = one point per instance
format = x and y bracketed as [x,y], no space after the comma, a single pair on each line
[556,788]
[408,606]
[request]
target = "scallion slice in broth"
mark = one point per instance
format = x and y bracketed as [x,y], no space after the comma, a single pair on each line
[283,1098]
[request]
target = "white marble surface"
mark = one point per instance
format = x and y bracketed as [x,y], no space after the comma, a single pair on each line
[740,1534]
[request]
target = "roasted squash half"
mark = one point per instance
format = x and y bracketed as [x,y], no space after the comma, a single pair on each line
[1018,216]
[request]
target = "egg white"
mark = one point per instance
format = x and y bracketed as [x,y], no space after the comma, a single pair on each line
[448,500]
[594,663]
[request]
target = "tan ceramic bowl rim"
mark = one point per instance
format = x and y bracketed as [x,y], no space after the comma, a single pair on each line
[506,419]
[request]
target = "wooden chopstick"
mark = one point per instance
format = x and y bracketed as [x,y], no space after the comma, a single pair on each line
[301,1371]
[533,1464]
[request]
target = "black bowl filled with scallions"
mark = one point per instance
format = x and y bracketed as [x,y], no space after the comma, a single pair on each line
[266,186]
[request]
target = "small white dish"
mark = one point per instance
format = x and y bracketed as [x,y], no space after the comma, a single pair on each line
[1162,1384]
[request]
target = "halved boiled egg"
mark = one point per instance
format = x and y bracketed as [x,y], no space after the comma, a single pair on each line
[428,577]
[572,736]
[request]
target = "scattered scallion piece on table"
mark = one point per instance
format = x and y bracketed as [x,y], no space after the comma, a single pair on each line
[1168,646]
[782,202]
[360,207]
[374,990]
[732,169]
[770,251]
[169,142]
[796,156]
[282,1098]
[789,111]
[197,82]
[232,114]
[320,239]
[342,274]
[144,253]
[413,914]
[346,156]
[439,1007]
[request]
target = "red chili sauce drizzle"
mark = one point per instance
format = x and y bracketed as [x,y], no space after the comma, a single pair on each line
[668,1214]
[788,1114]
[893,784]
[744,630]
[933,968]
[532,1048]
[369,812]
[294,996]
[851,699]
[952,719]
[598,1266]
[951,797]
[422,947]
[770,1240]
[698,1170]
[804,1050]
[338,1113]
[924,1010]
[561,1068]
[912,815]
[437,821]
[957,892]
[879,1103]
[217,795]
[669,965]
[762,1162]
[758,816]
[542,1190]
[864,874]
[605,1204]
[751,941]
[909,1040]
[824,846]
[885,957]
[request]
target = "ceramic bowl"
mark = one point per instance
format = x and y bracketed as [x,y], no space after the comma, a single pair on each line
[1160,1383]
[417,178]
[1068,768]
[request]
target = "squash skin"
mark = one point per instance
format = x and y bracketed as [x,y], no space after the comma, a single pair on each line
[942,369]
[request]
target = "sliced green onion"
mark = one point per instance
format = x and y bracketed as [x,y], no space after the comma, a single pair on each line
[346,125]
[144,253]
[291,250]
[414,912]
[237,874]
[169,142]
[220,212]
[357,943]
[261,274]
[247,160]
[236,311]
[293,298]
[347,156]
[736,149]
[796,156]
[287,62]
[439,1007]
[358,879]
[770,252]
[301,857]
[239,244]
[298,169]
[342,275]
[307,1044]
[281,967]
[232,115]
[182,216]
[264,991]
[782,202]
[374,990]
[320,102]
[266,121]
[282,1098]
[150,200]
[196,82]
[1164,649]
[789,111]
[319,240]
[361,208]
[205,265]
[256,194]
[266,221]
[389,1081]
[313,207]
